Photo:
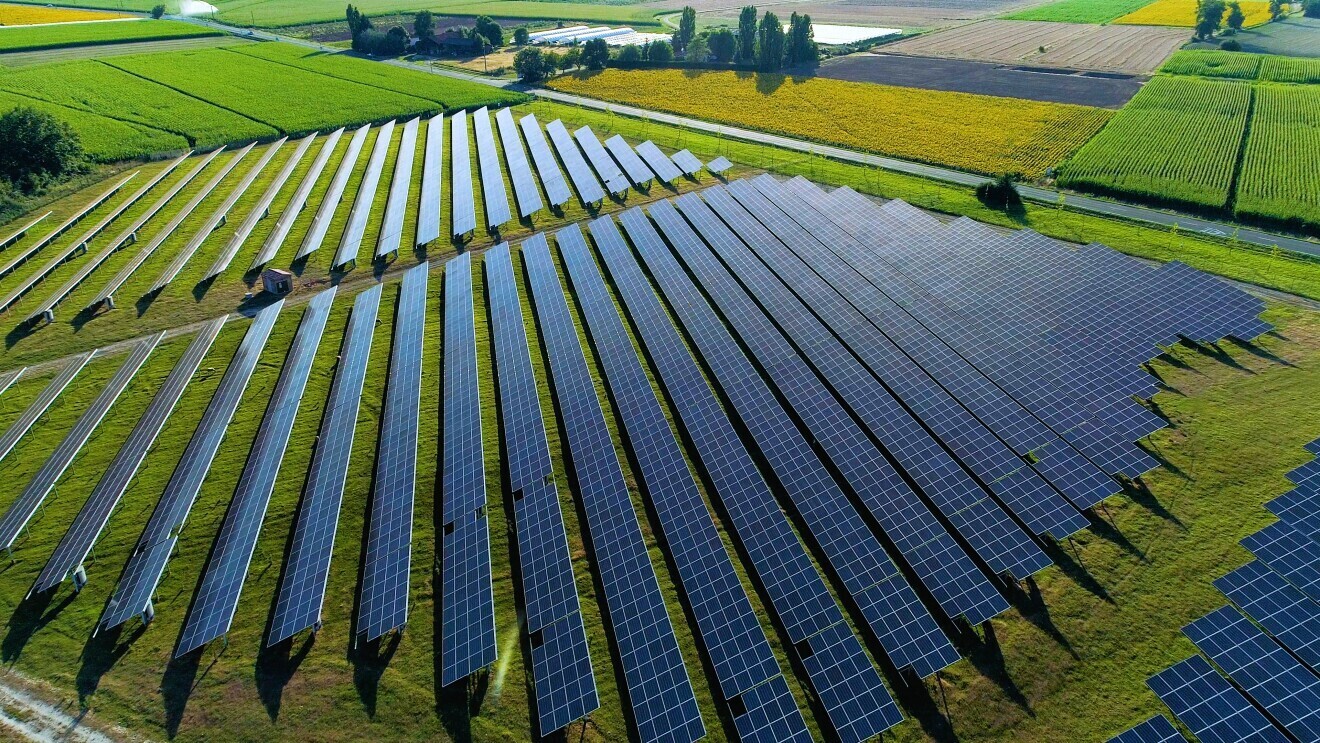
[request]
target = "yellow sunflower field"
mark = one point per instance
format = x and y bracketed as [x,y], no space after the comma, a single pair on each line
[1182,14]
[977,133]
[36,15]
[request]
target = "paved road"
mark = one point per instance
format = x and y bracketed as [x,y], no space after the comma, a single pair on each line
[1104,207]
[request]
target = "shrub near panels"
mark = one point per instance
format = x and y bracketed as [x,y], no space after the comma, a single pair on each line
[1176,142]
[98,88]
[1234,65]
[292,100]
[982,134]
[1280,179]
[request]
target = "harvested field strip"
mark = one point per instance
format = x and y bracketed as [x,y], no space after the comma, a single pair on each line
[1078,11]
[1144,150]
[98,88]
[971,132]
[1182,13]
[1280,180]
[105,139]
[32,15]
[84,34]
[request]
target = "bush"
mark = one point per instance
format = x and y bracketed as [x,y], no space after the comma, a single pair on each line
[158,12]
[36,148]
[530,65]
[521,36]
[1230,45]
[630,53]
[1001,193]
[595,54]
[660,51]
[1311,9]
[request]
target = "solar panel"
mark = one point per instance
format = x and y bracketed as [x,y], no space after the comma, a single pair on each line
[1005,475]
[47,308]
[280,232]
[391,231]
[21,511]
[39,406]
[213,609]
[719,165]
[659,162]
[8,378]
[524,183]
[730,632]
[1273,678]
[221,214]
[428,203]
[106,295]
[552,179]
[1209,706]
[600,160]
[468,605]
[464,215]
[21,232]
[1284,612]
[350,243]
[80,243]
[95,513]
[564,682]
[383,605]
[587,186]
[325,213]
[637,171]
[302,587]
[960,587]
[659,691]
[797,594]
[493,194]
[259,210]
[687,162]
[139,580]
[1157,729]
[39,245]
[1290,554]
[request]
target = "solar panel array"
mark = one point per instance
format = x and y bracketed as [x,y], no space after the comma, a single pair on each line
[584,181]
[520,171]
[213,609]
[1157,729]
[428,203]
[383,605]
[95,513]
[22,231]
[391,229]
[325,213]
[1209,706]
[38,245]
[132,596]
[464,214]
[259,210]
[350,243]
[564,683]
[633,165]
[1284,612]
[25,507]
[658,689]
[600,160]
[280,232]
[719,165]
[468,602]
[687,162]
[8,378]
[547,168]
[302,587]
[493,193]
[660,164]
[37,407]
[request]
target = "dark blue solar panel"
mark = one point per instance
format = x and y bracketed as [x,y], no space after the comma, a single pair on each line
[493,194]
[1209,706]
[92,518]
[138,581]
[1284,612]
[1290,554]
[302,588]
[659,691]
[44,400]
[468,604]
[213,609]
[1157,729]
[1273,678]
[730,631]
[384,601]
[587,186]
[1300,509]
[561,668]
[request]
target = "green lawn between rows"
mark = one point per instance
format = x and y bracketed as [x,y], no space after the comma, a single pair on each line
[1023,681]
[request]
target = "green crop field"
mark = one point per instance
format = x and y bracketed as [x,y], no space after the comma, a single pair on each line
[1279,180]
[28,38]
[277,13]
[451,93]
[1079,11]
[1244,66]
[1176,142]
[105,139]
[97,87]
[1279,69]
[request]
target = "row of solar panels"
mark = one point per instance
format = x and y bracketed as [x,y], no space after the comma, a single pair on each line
[641,165]
[1264,684]
[914,431]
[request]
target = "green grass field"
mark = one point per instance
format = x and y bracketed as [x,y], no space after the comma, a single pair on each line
[105,139]
[1079,11]
[1279,183]
[28,38]
[277,13]
[1244,66]
[1093,628]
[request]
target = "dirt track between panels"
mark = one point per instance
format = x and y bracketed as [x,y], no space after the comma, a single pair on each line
[984,78]
[1135,50]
